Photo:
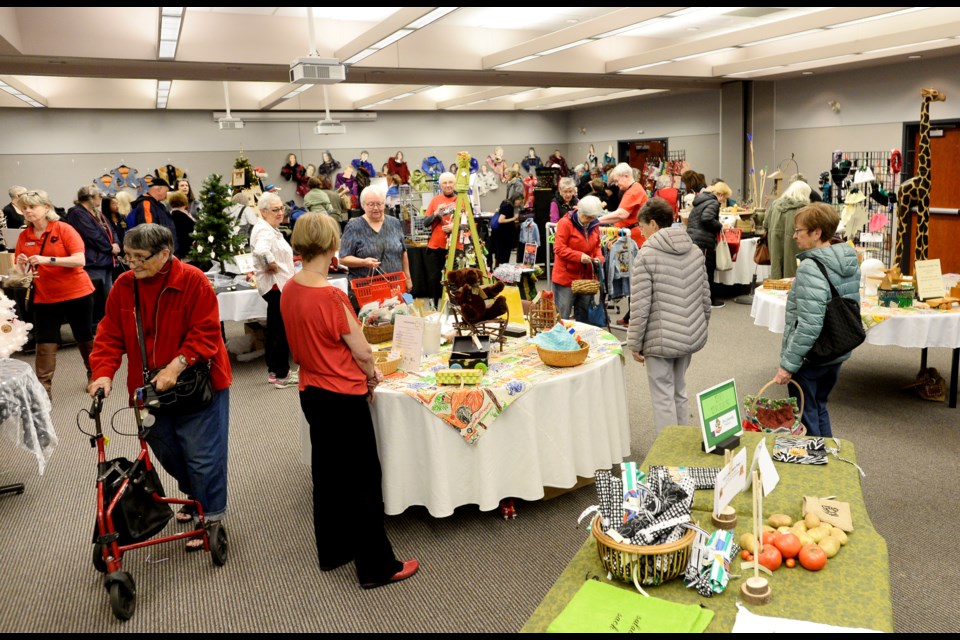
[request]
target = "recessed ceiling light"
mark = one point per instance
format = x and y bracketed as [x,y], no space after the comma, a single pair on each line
[914,57]
[693,28]
[808,73]
[572,21]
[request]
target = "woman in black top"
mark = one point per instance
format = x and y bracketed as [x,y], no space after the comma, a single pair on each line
[184,222]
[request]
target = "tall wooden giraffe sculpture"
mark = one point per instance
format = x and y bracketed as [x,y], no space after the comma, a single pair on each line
[916,190]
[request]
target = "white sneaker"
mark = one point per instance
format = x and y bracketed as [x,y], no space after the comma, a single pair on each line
[292,380]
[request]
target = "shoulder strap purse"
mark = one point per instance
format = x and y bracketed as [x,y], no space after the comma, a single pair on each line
[193,390]
[842,330]
[32,286]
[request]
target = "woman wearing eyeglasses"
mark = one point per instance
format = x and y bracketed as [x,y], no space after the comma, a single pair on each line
[181,326]
[61,290]
[807,300]
[273,258]
[373,243]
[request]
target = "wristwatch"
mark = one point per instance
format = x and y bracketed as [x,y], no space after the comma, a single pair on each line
[183,360]
[53,260]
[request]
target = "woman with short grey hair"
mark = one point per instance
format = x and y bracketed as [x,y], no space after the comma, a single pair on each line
[179,312]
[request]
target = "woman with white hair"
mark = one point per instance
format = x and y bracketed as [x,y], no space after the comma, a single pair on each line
[273,260]
[779,227]
[565,200]
[632,197]
[576,248]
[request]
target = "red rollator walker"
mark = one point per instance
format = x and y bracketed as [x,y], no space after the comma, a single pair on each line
[131,508]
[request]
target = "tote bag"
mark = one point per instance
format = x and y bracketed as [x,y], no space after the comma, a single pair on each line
[724,259]
[842,330]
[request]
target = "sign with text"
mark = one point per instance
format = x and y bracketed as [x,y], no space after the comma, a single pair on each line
[719,414]
[408,338]
[929,279]
[730,481]
[764,463]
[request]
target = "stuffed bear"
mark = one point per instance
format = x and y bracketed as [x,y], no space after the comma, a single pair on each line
[477,303]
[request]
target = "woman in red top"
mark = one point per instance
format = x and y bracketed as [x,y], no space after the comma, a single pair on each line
[337,379]
[181,326]
[576,247]
[632,197]
[62,290]
[439,219]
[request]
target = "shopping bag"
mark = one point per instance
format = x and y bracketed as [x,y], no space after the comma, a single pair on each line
[724,259]
[596,314]
[761,255]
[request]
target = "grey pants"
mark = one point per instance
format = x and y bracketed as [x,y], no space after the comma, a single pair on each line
[668,391]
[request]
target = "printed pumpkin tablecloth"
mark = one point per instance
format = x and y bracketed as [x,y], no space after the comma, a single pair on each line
[472,409]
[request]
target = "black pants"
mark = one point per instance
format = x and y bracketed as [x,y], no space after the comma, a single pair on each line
[710,256]
[47,319]
[347,493]
[436,264]
[277,352]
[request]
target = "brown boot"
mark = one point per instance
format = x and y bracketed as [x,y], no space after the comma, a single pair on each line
[85,349]
[46,364]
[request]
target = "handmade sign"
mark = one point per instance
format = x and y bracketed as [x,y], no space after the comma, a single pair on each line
[408,338]
[929,279]
[730,481]
[719,415]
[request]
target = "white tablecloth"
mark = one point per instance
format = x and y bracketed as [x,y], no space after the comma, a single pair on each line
[247,304]
[743,267]
[915,329]
[565,427]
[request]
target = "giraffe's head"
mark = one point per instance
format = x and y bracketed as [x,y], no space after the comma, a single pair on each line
[932,95]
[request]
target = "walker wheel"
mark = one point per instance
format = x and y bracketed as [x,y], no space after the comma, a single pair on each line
[123,598]
[218,543]
[98,562]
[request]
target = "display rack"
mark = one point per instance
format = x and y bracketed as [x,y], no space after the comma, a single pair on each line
[880,200]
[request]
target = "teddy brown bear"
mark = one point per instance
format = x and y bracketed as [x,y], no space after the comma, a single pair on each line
[476,301]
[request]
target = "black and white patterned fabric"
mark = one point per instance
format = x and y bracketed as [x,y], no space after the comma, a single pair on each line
[610,497]
[799,450]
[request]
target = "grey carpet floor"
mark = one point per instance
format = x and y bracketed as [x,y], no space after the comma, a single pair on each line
[479,573]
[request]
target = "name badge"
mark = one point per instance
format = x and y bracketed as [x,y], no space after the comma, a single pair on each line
[29,244]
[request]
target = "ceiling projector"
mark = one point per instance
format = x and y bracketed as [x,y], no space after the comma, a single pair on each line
[328,126]
[314,70]
[230,123]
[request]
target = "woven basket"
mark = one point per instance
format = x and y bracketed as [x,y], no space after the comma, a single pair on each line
[782,285]
[751,421]
[543,317]
[654,565]
[585,287]
[378,334]
[386,361]
[563,358]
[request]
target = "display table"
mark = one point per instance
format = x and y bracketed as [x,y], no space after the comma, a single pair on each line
[886,326]
[247,304]
[25,411]
[744,267]
[853,590]
[569,424]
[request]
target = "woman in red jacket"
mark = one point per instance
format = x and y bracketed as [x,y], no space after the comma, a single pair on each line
[181,325]
[576,246]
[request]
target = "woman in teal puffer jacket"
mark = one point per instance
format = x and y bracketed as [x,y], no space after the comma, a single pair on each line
[806,304]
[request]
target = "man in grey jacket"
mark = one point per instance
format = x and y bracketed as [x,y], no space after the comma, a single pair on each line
[669,310]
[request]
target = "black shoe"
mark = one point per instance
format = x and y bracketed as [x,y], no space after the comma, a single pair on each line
[720,304]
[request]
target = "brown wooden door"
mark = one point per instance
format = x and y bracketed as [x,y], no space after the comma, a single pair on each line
[944,229]
[638,151]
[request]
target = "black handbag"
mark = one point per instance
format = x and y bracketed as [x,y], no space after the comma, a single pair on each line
[193,390]
[842,330]
[137,515]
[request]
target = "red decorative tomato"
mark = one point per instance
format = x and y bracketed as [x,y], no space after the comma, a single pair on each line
[790,562]
[770,557]
[788,544]
[746,555]
[768,537]
[812,557]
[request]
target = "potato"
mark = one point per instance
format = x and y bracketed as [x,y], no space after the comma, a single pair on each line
[817,534]
[799,525]
[805,539]
[830,546]
[811,520]
[778,520]
[784,529]
[749,542]
[767,527]
[825,525]
[840,535]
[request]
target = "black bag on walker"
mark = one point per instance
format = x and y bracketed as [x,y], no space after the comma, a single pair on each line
[137,515]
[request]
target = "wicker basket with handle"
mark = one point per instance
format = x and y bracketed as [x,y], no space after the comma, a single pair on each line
[375,334]
[564,358]
[386,361]
[654,564]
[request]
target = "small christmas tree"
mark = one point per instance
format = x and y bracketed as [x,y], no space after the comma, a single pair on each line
[249,177]
[215,236]
[13,332]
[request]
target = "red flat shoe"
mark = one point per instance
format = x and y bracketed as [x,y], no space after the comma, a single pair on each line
[410,567]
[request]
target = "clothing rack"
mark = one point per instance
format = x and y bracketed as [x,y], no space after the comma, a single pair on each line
[875,240]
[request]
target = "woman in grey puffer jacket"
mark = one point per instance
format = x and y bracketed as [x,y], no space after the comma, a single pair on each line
[669,310]
[703,225]
[806,305]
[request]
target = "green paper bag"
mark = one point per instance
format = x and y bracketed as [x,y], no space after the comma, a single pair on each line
[599,607]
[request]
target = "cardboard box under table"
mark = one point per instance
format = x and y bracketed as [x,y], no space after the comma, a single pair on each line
[853,590]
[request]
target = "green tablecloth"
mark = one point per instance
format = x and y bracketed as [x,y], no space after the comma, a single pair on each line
[853,590]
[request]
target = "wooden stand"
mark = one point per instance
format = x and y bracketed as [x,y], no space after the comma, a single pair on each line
[726,519]
[756,589]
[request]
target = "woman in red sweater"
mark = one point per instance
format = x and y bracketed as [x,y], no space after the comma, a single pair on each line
[337,379]
[181,326]
[576,246]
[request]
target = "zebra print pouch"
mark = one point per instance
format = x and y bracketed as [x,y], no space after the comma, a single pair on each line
[800,450]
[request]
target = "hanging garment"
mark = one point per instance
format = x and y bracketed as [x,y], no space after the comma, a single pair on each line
[529,233]
[622,253]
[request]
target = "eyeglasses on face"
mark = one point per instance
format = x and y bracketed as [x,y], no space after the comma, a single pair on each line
[799,230]
[374,205]
[131,261]
[275,209]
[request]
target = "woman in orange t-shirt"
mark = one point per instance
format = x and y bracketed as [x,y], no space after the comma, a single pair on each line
[337,379]
[62,290]
[632,198]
